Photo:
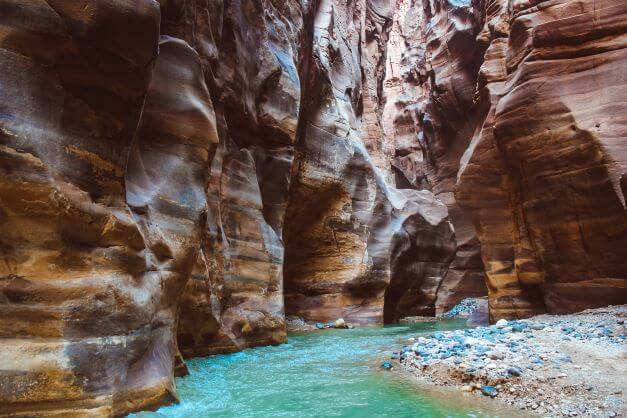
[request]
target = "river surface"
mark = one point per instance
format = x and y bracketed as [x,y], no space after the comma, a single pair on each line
[329,373]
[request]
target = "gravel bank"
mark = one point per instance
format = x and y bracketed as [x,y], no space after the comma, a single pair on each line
[556,366]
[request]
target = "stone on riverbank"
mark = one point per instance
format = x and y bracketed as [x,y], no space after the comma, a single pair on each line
[465,308]
[386,365]
[298,324]
[546,364]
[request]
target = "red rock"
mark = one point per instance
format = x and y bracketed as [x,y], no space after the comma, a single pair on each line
[253,56]
[352,239]
[97,217]
[543,175]
[178,175]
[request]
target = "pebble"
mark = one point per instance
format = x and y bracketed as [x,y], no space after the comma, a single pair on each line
[340,323]
[463,309]
[501,323]
[489,391]
[514,371]
[386,365]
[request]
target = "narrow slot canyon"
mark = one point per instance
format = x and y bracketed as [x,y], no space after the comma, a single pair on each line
[215,189]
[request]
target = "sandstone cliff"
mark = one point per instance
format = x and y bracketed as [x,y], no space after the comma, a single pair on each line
[544,175]
[178,175]
[254,55]
[106,134]
[349,233]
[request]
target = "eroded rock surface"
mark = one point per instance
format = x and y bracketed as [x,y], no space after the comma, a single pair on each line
[101,198]
[176,175]
[254,56]
[544,174]
[429,88]
[348,231]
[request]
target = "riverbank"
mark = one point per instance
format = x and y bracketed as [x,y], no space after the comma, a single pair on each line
[326,373]
[557,366]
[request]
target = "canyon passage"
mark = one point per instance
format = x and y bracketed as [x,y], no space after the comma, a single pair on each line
[178,177]
[325,373]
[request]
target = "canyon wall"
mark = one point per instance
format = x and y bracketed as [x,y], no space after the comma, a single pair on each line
[544,175]
[254,55]
[511,113]
[429,116]
[349,232]
[106,132]
[178,176]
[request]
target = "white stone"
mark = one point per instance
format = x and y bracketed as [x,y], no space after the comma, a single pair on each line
[340,323]
[471,341]
[501,323]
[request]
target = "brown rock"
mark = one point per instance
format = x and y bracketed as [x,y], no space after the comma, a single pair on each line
[100,219]
[432,62]
[348,232]
[173,172]
[542,175]
[253,56]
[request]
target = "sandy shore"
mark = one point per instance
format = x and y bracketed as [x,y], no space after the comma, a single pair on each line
[555,366]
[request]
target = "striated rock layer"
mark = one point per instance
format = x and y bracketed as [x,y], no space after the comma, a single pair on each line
[544,176]
[428,118]
[177,175]
[511,113]
[101,199]
[348,232]
[253,56]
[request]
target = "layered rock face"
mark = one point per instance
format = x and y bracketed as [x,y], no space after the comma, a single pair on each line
[136,210]
[105,145]
[509,112]
[348,232]
[544,176]
[253,56]
[177,175]
[429,116]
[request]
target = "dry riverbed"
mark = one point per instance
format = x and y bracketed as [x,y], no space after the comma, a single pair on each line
[555,366]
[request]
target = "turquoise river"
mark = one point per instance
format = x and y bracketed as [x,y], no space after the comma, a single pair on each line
[329,373]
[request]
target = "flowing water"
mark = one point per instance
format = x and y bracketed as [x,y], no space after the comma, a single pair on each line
[330,373]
